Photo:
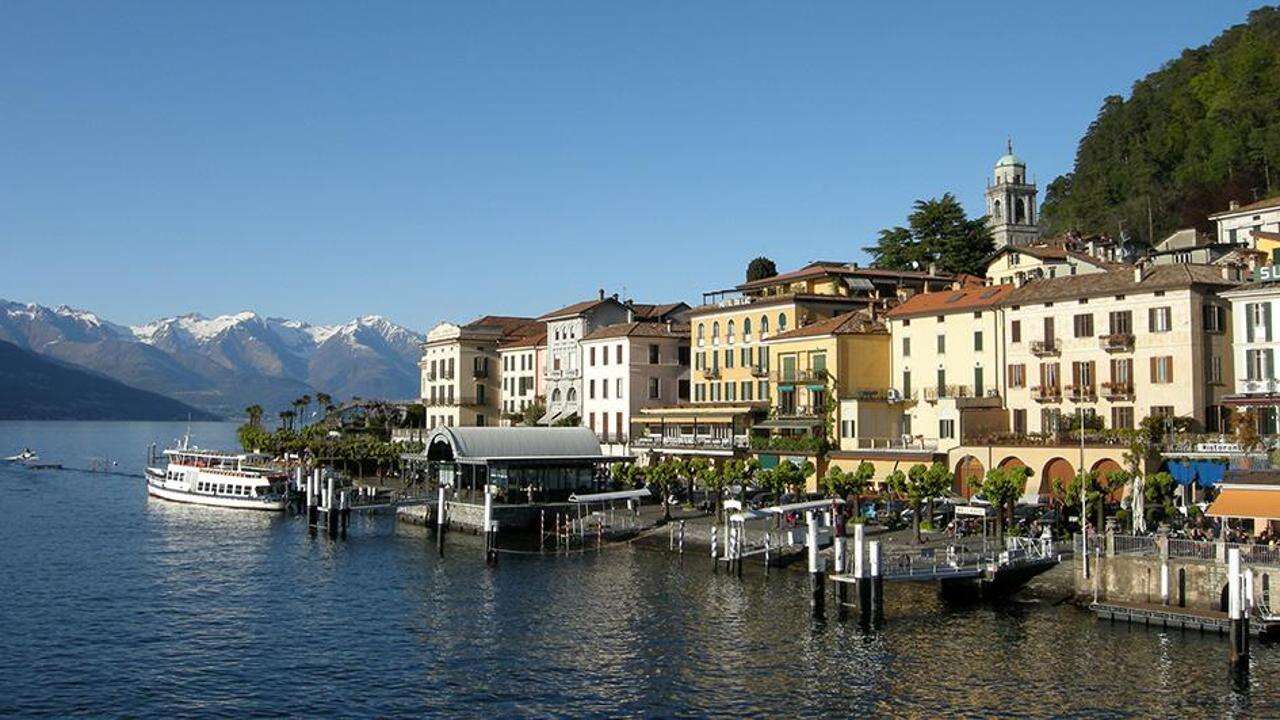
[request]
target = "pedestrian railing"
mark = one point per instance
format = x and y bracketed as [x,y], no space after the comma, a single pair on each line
[1257,554]
[1136,545]
[1183,548]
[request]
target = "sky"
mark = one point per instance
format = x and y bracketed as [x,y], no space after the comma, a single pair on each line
[433,161]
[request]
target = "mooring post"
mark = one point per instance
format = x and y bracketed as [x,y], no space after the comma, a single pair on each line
[681,539]
[877,582]
[542,535]
[766,551]
[860,569]
[330,503]
[714,562]
[1238,654]
[440,509]
[816,579]
[490,555]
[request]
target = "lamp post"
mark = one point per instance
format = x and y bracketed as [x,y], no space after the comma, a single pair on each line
[1084,528]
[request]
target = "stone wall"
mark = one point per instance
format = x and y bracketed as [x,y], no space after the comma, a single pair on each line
[1194,583]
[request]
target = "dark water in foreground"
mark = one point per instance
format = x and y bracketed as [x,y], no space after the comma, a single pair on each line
[114,604]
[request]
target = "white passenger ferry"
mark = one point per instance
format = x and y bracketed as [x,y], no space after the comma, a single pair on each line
[219,479]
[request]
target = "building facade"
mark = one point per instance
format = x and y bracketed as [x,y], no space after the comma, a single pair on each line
[630,366]
[522,361]
[562,375]
[1255,319]
[460,371]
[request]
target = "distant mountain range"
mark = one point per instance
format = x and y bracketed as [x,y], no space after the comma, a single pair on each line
[33,387]
[226,363]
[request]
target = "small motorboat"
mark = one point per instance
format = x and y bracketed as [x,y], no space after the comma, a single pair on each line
[27,455]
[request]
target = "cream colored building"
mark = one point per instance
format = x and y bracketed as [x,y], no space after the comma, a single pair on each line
[947,369]
[522,360]
[627,367]
[1119,346]
[1240,224]
[1044,260]
[460,369]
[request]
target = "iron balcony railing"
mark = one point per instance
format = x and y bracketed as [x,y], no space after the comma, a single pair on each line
[1048,346]
[710,442]
[898,443]
[760,371]
[937,392]
[1117,390]
[1082,392]
[1116,342]
[455,401]
[800,376]
[479,372]
[711,372]
[1046,393]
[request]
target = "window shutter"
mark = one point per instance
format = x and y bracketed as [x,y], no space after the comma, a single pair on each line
[1266,319]
[1168,363]
[1151,319]
[1154,360]
[1271,364]
[1248,321]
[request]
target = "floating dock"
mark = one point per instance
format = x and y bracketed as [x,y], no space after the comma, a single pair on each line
[1172,617]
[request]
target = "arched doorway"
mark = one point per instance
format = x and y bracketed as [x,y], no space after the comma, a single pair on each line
[1032,487]
[968,476]
[1056,472]
[1105,467]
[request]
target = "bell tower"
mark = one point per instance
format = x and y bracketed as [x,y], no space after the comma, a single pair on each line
[1011,203]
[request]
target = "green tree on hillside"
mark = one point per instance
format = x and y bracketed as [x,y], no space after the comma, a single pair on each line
[938,231]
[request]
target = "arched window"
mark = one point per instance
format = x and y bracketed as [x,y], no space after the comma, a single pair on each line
[715,332]
[1020,210]
[746,328]
[572,395]
[555,395]
[701,330]
[764,325]
[782,322]
[729,329]
[995,210]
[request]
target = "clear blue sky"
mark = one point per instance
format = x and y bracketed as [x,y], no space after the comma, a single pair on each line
[431,160]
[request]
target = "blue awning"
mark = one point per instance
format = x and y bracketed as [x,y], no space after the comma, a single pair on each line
[1207,473]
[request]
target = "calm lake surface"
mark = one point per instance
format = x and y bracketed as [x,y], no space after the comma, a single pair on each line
[115,604]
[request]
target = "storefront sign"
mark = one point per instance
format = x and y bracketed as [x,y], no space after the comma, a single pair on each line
[1266,273]
[1218,447]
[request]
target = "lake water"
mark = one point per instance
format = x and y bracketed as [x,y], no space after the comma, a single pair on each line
[116,604]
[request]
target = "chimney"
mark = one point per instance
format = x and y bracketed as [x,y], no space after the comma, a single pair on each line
[1233,205]
[601,293]
[631,314]
[1137,273]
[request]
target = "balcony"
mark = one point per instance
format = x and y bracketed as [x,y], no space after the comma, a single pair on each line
[1117,342]
[937,392]
[690,442]
[479,372]
[800,377]
[563,374]
[902,444]
[1082,393]
[711,373]
[1259,387]
[1046,347]
[760,371]
[455,401]
[1117,390]
[1046,393]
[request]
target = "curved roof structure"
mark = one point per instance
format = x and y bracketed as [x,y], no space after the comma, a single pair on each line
[511,443]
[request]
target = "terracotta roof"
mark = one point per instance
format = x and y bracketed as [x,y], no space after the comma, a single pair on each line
[510,326]
[772,300]
[941,302]
[1055,250]
[645,311]
[531,340]
[579,308]
[1117,282]
[639,329]
[856,322]
[822,268]
[1259,205]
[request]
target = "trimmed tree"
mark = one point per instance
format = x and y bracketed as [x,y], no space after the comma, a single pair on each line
[761,268]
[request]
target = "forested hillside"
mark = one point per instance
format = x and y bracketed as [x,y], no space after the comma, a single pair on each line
[1201,131]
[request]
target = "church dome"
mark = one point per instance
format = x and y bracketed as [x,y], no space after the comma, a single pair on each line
[1009,159]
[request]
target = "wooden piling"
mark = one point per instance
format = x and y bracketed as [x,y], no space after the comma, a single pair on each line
[1238,633]
[817,583]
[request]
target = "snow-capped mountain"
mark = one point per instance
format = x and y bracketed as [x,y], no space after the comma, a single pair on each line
[227,362]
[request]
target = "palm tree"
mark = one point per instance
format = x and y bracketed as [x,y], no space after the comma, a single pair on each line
[255,415]
[300,405]
[286,418]
[325,401]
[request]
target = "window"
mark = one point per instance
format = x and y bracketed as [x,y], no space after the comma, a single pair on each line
[906,347]
[1017,375]
[591,357]
[654,393]
[617,355]
[1162,411]
[1120,322]
[1159,319]
[730,391]
[906,383]
[1121,373]
[978,389]
[782,322]
[1082,375]
[591,391]
[701,329]
[744,357]
[977,341]
[728,358]
[604,356]
[1215,370]
[746,329]
[1259,364]
[617,385]
[1257,323]
[715,333]
[762,390]
[942,344]
[1015,331]
[1020,422]
[1215,318]
[1162,369]
[1122,418]
[946,428]
[746,390]
[729,332]
[764,326]
[654,354]
[604,389]
[942,380]
[1084,325]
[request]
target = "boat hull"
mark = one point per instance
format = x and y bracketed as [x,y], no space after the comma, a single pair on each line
[156,488]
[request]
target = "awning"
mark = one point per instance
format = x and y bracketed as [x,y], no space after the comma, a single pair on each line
[1206,473]
[789,424]
[1240,503]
